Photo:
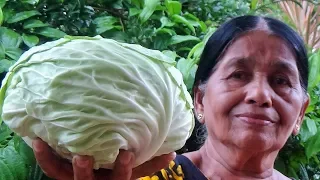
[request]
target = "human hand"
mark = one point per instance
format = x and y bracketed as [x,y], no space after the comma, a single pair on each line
[82,166]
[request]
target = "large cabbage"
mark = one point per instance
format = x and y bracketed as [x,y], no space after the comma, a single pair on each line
[94,96]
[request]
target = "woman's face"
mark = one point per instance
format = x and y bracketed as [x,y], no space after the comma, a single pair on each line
[254,99]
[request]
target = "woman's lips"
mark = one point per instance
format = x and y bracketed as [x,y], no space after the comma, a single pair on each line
[255,119]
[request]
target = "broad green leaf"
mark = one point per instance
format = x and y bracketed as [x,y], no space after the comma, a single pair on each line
[5,64]
[311,126]
[196,51]
[313,145]
[186,49]
[7,13]
[314,98]
[5,172]
[165,22]
[105,28]
[30,40]
[5,132]
[179,19]
[161,42]
[137,3]
[184,65]
[105,20]
[105,23]
[14,162]
[26,153]
[15,142]
[203,26]
[296,158]
[32,2]
[310,108]
[2,51]
[50,32]
[308,129]
[24,150]
[160,7]
[174,7]
[1,16]
[292,172]
[314,62]
[194,21]
[179,39]
[13,53]
[171,54]
[190,79]
[22,16]
[148,9]
[9,38]
[2,3]
[34,23]
[134,11]
[11,142]
[210,31]
[253,4]
[188,69]
[190,16]
[117,35]
[117,4]
[165,31]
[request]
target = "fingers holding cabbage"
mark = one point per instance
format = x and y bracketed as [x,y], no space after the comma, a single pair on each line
[95,96]
[81,167]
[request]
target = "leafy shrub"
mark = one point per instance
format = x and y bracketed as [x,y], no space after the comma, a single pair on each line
[217,11]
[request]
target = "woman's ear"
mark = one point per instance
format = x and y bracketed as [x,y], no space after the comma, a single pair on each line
[301,115]
[198,103]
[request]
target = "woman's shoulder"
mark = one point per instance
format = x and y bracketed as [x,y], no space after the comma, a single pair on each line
[181,168]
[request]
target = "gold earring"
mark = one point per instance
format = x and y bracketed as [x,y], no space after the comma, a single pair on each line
[200,116]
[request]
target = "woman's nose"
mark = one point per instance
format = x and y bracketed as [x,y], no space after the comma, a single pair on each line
[259,93]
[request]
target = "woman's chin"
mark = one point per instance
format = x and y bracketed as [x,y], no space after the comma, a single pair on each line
[254,142]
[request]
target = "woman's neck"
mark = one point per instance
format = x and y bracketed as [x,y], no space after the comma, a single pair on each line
[232,163]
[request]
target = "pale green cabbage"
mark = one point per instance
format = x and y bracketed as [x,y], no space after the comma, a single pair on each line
[94,96]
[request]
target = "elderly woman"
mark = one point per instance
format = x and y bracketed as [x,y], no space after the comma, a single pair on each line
[249,91]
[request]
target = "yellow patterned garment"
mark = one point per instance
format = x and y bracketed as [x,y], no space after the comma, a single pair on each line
[179,169]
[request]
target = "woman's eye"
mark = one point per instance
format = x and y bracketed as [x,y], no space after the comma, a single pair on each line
[281,81]
[239,75]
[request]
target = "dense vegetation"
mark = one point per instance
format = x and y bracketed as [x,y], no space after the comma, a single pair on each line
[179,28]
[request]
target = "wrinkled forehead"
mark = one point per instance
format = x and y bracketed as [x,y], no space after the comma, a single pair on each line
[260,47]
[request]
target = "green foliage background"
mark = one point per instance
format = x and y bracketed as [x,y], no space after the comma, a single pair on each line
[178,28]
